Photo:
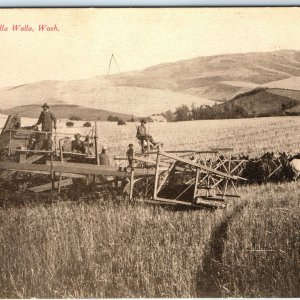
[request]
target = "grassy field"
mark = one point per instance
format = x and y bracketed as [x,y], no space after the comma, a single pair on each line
[93,250]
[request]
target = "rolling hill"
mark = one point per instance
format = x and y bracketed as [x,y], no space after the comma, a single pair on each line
[62,111]
[259,102]
[201,80]
[210,77]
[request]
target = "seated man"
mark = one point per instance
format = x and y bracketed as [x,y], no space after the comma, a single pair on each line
[89,146]
[143,136]
[77,145]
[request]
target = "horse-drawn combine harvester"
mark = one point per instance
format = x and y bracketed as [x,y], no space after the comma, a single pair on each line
[185,178]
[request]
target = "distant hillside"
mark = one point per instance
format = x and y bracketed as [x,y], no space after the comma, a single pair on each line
[259,102]
[201,80]
[65,112]
[265,101]
[210,77]
[99,93]
[292,83]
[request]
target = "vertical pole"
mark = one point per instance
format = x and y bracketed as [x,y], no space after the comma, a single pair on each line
[59,182]
[225,189]
[61,151]
[131,178]
[196,183]
[148,147]
[55,143]
[52,175]
[156,173]
[96,144]
[9,146]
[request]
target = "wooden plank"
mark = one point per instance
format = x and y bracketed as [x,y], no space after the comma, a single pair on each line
[48,186]
[75,168]
[31,151]
[173,201]
[203,167]
[22,158]
[165,177]
[81,168]
[157,202]
[191,151]
[179,151]
[33,158]
[156,174]
[144,159]
[151,161]
[210,203]
[72,175]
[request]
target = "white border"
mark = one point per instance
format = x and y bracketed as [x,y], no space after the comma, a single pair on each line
[143,3]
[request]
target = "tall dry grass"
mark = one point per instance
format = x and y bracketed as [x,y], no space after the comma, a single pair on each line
[88,250]
[82,250]
[262,252]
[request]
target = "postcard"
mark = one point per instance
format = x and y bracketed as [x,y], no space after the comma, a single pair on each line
[149,152]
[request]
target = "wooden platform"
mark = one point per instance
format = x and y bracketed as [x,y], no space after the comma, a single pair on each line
[75,168]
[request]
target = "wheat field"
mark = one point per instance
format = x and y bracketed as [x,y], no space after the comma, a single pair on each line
[96,249]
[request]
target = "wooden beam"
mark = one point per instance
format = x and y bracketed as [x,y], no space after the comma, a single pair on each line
[200,166]
[156,173]
[48,186]
[29,160]
[131,178]
[72,175]
[144,159]
[32,151]
[165,177]
[172,201]
[81,168]
[76,168]
[33,158]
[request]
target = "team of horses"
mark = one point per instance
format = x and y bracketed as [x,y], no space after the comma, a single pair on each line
[267,168]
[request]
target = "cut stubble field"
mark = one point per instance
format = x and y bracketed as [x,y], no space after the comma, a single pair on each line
[250,136]
[250,249]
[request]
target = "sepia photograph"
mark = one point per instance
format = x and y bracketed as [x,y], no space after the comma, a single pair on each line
[150,152]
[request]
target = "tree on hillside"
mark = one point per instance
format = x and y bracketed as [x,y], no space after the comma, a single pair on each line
[169,115]
[111,118]
[182,113]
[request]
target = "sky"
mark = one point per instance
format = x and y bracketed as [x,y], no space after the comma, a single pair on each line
[138,38]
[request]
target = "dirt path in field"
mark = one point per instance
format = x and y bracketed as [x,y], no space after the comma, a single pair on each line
[206,280]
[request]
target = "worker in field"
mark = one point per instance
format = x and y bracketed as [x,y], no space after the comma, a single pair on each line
[48,121]
[130,154]
[143,136]
[89,146]
[103,157]
[77,145]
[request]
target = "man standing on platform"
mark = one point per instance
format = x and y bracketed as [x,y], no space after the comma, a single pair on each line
[46,119]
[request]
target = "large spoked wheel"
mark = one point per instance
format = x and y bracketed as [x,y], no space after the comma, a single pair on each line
[143,188]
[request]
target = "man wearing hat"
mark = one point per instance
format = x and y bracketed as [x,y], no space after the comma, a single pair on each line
[143,136]
[46,118]
[77,145]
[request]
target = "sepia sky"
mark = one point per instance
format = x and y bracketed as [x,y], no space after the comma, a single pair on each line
[138,38]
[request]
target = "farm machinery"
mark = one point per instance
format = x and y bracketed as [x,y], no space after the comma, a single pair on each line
[190,178]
